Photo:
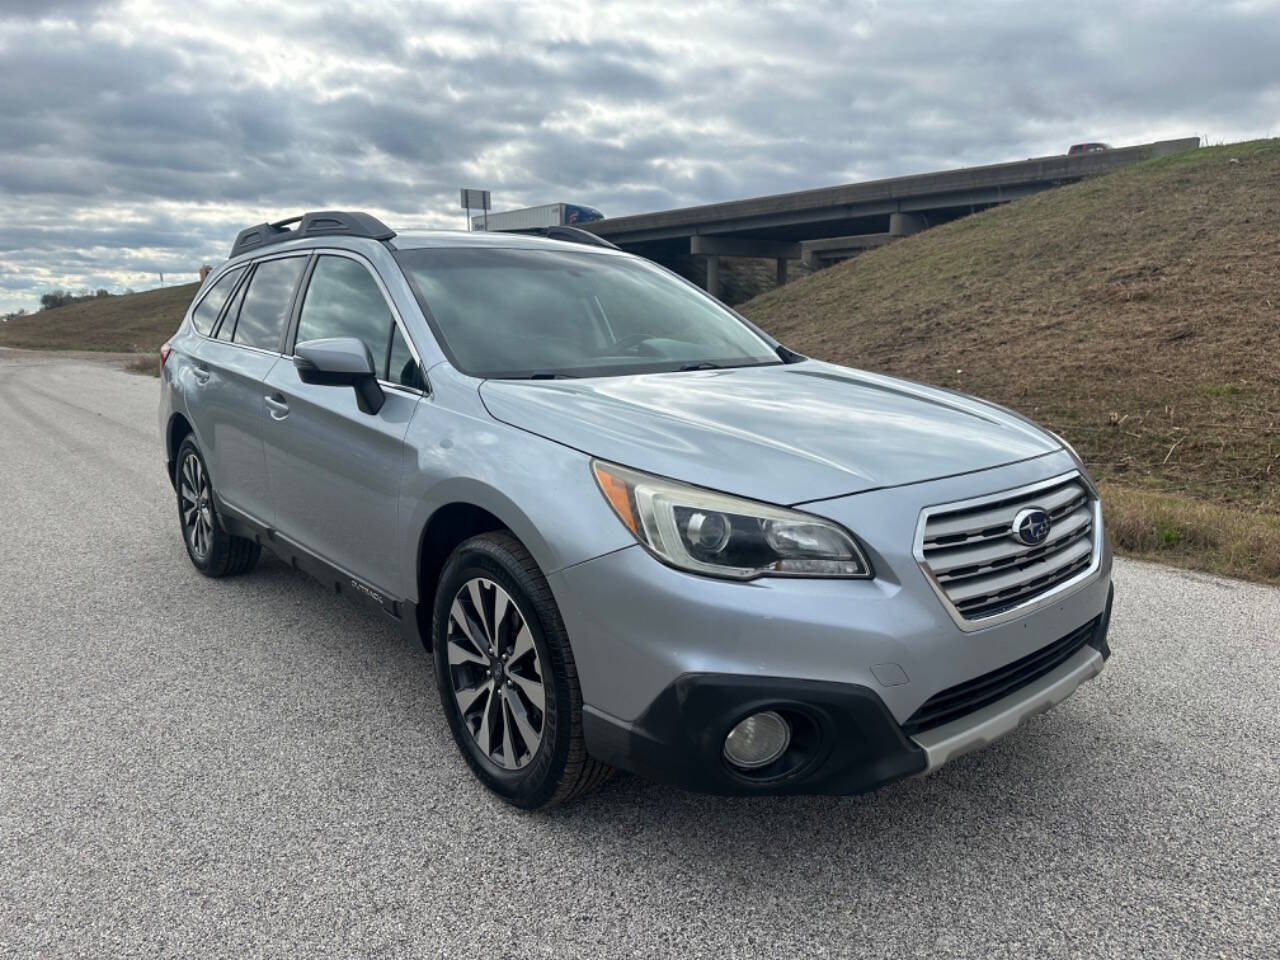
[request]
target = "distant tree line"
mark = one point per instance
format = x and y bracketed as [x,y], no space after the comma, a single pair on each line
[62,298]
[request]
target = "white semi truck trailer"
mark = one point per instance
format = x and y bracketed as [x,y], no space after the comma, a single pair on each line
[531,218]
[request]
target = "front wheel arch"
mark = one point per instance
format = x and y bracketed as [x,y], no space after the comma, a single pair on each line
[449,526]
[458,519]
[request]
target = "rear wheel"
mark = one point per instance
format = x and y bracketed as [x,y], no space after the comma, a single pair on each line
[212,550]
[508,683]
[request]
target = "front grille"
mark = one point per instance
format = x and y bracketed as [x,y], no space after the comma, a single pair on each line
[964,698]
[971,553]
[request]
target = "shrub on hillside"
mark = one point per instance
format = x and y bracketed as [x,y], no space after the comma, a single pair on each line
[61,298]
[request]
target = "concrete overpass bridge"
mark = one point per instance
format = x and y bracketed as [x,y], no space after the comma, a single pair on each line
[832,223]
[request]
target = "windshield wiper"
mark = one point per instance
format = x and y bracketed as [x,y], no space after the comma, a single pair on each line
[712,365]
[547,375]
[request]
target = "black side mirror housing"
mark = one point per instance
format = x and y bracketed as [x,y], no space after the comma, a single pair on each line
[341,362]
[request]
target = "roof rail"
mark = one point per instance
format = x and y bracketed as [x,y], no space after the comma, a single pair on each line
[323,223]
[568,234]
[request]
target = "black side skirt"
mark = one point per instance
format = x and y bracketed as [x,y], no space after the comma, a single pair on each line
[403,612]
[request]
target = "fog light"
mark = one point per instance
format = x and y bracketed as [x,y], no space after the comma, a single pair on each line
[758,740]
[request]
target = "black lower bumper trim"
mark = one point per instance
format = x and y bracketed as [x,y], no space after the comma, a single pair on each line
[844,738]
[1099,639]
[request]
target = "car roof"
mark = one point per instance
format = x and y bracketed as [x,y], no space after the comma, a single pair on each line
[425,240]
[428,239]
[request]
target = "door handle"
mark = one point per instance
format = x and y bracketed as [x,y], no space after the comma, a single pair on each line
[278,406]
[201,373]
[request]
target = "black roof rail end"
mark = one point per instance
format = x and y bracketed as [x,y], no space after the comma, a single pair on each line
[321,223]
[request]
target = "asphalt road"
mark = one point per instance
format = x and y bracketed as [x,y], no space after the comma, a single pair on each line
[254,767]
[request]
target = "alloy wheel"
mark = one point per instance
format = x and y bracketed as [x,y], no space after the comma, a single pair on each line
[496,673]
[196,504]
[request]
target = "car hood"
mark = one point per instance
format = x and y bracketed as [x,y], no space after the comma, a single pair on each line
[783,434]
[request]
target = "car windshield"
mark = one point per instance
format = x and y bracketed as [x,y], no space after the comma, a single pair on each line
[512,312]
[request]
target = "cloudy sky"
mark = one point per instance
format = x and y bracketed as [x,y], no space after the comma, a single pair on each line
[138,136]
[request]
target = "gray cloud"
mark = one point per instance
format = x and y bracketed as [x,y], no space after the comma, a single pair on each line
[49,9]
[134,141]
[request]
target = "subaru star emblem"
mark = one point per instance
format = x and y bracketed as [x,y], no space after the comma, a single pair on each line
[1031,526]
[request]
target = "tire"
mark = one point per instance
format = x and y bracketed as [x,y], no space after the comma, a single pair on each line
[213,551]
[529,659]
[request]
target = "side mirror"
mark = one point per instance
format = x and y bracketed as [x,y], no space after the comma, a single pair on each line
[341,362]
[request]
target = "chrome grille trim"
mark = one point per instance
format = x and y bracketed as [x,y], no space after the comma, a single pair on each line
[983,576]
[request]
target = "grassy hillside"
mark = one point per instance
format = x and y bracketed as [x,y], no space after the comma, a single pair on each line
[133,323]
[1137,314]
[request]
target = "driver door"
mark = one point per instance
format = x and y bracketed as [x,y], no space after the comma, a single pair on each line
[334,470]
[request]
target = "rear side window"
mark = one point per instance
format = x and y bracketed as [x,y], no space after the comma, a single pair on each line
[266,303]
[206,314]
[228,323]
[342,300]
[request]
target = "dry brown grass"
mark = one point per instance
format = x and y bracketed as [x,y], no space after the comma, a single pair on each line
[1137,314]
[1193,534]
[132,323]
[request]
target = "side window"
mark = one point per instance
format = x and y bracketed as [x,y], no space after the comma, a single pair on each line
[228,324]
[266,303]
[206,314]
[402,368]
[343,300]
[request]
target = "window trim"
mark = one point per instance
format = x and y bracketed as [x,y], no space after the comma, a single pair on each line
[291,332]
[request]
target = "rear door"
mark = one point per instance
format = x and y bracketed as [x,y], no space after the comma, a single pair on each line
[230,369]
[335,471]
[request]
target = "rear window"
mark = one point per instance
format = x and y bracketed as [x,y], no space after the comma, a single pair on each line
[266,303]
[206,314]
[228,323]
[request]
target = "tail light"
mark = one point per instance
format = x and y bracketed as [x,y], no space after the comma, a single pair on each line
[165,350]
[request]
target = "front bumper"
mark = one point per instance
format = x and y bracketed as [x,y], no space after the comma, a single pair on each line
[845,740]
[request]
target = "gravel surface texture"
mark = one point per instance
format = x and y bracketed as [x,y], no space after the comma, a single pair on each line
[255,767]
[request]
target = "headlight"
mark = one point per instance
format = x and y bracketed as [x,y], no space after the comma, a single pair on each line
[723,536]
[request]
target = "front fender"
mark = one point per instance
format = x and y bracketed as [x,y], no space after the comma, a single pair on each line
[540,490]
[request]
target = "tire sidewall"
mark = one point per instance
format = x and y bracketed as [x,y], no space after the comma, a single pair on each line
[534,784]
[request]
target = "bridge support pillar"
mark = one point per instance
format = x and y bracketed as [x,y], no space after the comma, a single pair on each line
[782,271]
[901,224]
[713,275]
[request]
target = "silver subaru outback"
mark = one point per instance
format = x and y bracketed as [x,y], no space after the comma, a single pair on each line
[634,530]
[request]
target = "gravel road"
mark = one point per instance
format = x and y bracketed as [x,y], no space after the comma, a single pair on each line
[255,767]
